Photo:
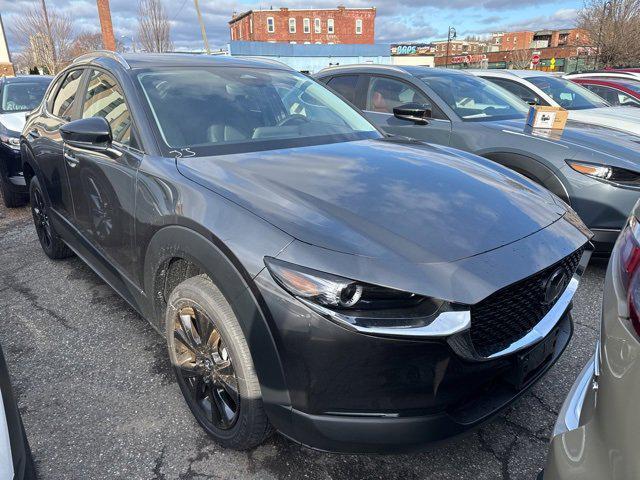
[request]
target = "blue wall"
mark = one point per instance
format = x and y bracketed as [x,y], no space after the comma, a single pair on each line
[313,58]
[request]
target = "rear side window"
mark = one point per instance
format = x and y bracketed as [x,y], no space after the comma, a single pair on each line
[345,85]
[63,104]
[104,98]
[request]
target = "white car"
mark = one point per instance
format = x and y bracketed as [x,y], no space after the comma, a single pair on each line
[542,88]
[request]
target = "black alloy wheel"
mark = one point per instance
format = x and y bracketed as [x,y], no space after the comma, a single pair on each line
[41,220]
[205,366]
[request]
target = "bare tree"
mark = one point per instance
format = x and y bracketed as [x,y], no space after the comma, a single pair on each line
[88,42]
[154,29]
[520,59]
[30,31]
[614,29]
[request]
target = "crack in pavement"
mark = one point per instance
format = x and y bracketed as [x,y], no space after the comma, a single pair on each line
[28,293]
[157,468]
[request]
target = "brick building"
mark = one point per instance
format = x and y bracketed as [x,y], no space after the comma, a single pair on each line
[339,25]
[459,47]
[567,48]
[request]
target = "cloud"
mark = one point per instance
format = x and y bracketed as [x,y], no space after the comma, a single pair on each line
[398,20]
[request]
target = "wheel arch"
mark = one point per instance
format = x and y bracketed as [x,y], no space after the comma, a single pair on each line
[176,253]
[533,169]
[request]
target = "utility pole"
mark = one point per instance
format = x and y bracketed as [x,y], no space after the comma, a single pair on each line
[204,32]
[49,36]
[104,12]
[451,34]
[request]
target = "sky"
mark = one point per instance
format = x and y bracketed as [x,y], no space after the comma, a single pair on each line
[396,21]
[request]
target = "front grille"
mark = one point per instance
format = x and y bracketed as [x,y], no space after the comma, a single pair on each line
[511,313]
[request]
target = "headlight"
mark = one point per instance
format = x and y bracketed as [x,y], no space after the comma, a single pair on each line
[616,175]
[11,142]
[369,308]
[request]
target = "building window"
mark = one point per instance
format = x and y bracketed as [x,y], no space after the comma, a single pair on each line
[317,26]
[358,26]
[271,26]
[292,25]
[330,26]
[306,25]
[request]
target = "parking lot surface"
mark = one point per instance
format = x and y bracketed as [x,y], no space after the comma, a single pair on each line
[99,400]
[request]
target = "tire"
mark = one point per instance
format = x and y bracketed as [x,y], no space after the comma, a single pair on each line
[50,241]
[10,198]
[225,399]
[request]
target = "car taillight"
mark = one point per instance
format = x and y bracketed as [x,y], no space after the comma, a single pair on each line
[629,269]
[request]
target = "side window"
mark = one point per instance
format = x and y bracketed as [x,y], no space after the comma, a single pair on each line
[609,94]
[384,94]
[345,85]
[63,104]
[105,99]
[518,90]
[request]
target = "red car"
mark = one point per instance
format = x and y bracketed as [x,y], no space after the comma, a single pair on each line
[617,92]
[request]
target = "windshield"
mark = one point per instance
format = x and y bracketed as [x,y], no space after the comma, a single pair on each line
[567,94]
[212,110]
[475,99]
[22,96]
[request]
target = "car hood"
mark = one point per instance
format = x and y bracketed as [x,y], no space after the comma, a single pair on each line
[582,141]
[621,118]
[381,198]
[13,121]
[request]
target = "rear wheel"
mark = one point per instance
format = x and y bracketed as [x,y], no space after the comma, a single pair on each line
[213,365]
[51,243]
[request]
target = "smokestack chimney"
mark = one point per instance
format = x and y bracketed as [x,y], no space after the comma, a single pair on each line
[104,12]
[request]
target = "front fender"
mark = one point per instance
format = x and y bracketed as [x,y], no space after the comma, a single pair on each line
[214,259]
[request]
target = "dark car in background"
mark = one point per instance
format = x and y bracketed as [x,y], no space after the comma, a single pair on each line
[356,293]
[594,169]
[18,96]
[616,92]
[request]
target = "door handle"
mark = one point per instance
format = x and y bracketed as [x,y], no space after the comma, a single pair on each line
[71,159]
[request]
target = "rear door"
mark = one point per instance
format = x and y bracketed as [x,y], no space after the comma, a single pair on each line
[103,183]
[382,93]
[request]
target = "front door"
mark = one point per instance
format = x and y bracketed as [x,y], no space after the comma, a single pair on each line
[47,143]
[103,183]
[385,93]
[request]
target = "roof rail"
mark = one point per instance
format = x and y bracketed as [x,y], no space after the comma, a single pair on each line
[385,66]
[102,53]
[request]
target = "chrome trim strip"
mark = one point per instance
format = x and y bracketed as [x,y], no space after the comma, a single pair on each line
[549,321]
[444,325]
[569,416]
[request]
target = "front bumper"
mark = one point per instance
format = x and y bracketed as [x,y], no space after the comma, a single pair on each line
[11,169]
[356,392]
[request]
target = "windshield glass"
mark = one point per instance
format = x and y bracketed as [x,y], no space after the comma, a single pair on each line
[475,99]
[229,109]
[22,96]
[567,94]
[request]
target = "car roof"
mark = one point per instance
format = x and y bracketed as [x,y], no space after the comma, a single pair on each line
[149,60]
[27,78]
[406,69]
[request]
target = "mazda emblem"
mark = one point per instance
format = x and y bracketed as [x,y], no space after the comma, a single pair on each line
[555,285]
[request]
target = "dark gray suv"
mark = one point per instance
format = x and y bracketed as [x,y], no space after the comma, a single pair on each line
[594,169]
[355,292]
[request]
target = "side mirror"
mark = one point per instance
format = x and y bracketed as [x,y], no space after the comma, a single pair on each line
[93,133]
[532,100]
[414,112]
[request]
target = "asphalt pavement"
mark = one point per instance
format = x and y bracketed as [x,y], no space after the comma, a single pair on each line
[99,400]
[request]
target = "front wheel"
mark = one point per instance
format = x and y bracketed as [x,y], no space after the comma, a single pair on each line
[213,365]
